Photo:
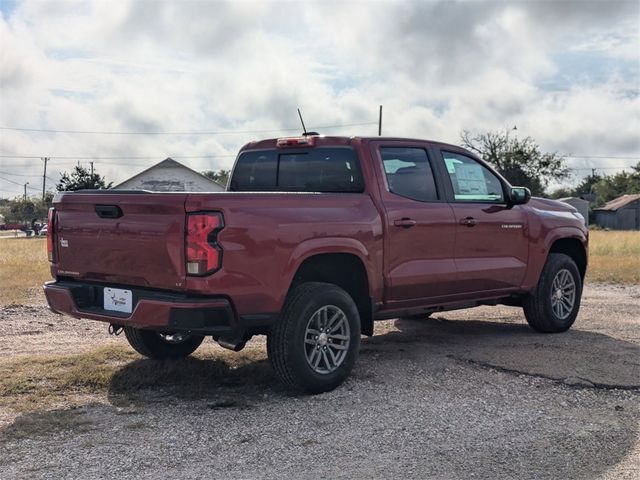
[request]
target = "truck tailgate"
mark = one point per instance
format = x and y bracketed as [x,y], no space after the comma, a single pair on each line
[122,238]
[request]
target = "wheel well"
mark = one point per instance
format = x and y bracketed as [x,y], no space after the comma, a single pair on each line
[346,271]
[573,248]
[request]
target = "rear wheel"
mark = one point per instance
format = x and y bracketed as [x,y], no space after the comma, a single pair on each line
[553,305]
[162,345]
[315,342]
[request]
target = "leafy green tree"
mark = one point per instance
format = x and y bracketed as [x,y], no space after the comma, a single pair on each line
[42,206]
[21,210]
[220,176]
[587,185]
[603,187]
[562,192]
[519,161]
[81,179]
[609,187]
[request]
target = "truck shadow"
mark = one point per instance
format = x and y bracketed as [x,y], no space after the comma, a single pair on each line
[218,380]
[579,358]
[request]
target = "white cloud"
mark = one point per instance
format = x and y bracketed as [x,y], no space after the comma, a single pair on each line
[566,73]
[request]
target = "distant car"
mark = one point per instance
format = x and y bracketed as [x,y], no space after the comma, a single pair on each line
[43,231]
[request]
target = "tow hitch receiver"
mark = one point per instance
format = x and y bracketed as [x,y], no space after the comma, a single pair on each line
[115,329]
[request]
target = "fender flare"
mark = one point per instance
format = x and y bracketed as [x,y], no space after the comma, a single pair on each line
[538,255]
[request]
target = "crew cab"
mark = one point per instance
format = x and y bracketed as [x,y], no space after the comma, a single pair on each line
[315,238]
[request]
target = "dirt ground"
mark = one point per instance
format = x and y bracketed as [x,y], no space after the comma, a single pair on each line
[468,394]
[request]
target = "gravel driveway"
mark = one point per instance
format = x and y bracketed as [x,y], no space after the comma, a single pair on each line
[469,394]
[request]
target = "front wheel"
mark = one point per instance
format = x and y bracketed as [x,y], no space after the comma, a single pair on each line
[162,345]
[553,305]
[315,342]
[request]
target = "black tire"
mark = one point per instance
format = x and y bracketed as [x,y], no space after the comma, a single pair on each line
[286,342]
[151,344]
[538,305]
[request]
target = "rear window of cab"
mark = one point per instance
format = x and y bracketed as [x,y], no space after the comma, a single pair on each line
[321,169]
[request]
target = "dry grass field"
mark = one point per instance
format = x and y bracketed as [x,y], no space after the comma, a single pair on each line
[23,270]
[33,382]
[613,257]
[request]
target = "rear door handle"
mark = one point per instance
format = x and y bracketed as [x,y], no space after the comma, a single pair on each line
[469,222]
[405,222]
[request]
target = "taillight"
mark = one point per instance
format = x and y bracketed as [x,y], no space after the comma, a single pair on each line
[51,225]
[203,254]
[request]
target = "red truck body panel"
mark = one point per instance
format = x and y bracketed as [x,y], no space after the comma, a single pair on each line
[144,247]
[416,255]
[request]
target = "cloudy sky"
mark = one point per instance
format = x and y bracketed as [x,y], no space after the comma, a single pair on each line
[566,73]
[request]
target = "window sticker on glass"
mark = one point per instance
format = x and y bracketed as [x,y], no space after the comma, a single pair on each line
[393,165]
[452,163]
[470,180]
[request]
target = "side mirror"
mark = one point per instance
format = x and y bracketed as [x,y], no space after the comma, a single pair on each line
[519,195]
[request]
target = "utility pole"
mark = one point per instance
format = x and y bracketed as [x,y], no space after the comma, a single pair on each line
[44,177]
[380,122]
[25,191]
[91,169]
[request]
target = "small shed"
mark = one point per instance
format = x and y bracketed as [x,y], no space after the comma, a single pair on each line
[622,213]
[581,205]
[170,176]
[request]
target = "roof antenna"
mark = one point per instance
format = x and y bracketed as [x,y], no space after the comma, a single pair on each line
[302,121]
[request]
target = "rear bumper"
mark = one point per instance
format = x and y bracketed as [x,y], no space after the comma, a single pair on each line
[155,310]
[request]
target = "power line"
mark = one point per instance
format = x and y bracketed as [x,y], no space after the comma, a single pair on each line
[600,168]
[86,157]
[149,157]
[20,175]
[601,156]
[10,181]
[220,132]
[19,184]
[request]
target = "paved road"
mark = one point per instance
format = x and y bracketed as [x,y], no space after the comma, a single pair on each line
[472,394]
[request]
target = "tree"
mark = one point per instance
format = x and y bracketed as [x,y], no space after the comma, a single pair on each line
[29,210]
[609,187]
[42,207]
[603,187]
[21,210]
[520,161]
[220,176]
[81,179]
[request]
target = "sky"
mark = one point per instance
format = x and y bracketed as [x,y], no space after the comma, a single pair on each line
[207,77]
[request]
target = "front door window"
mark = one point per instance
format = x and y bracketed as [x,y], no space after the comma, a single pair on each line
[472,181]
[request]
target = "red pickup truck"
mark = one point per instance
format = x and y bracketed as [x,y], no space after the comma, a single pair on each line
[315,239]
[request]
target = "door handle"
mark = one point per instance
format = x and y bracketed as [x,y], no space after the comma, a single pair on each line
[405,222]
[469,222]
[108,211]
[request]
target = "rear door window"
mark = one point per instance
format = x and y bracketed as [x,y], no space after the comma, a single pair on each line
[409,173]
[309,170]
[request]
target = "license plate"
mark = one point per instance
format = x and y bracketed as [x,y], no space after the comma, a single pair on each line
[118,300]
